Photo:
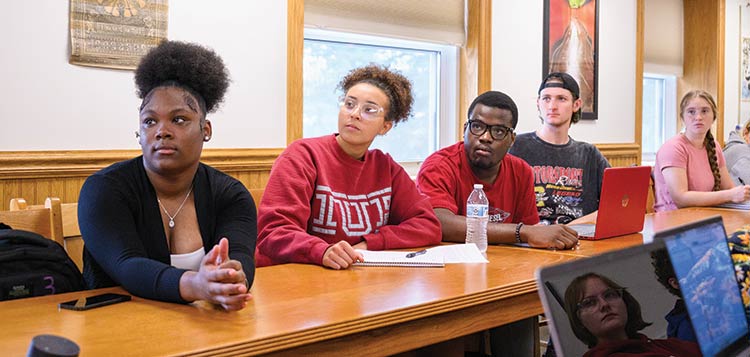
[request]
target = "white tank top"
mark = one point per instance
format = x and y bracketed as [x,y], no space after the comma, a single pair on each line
[189,261]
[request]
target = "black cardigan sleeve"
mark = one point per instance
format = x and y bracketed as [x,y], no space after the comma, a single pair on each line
[124,236]
[108,216]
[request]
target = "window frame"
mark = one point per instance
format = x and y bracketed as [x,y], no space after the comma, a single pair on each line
[669,112]
[446,81]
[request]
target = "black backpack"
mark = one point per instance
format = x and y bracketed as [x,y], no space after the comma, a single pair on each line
[31,265]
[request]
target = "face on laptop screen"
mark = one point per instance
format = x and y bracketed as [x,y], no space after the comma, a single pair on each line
[702,263]
[615,295]
[692,263]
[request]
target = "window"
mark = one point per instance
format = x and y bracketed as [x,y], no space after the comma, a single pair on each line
[329,55]
[659,114]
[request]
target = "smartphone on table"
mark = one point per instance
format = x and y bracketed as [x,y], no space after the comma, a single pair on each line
[90,302]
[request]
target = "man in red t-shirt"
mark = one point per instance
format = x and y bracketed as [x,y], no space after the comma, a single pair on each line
[448,176]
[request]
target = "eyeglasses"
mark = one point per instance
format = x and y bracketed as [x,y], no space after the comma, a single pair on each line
[498,132]
[591,303]
[366,110]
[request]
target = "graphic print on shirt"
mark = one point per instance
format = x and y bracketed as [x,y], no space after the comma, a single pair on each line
[497,215]
[559,193]
[355,215]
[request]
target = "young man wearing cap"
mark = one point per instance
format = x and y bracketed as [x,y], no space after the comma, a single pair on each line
[567,173]
[448,176]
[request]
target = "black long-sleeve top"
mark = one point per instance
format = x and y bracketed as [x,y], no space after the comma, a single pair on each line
[124,237]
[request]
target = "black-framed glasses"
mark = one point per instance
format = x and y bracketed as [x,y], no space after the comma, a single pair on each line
[497,132]
[591,303]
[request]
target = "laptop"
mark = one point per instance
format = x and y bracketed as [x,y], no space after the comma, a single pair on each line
[703,264]
[622,204]
[707,285]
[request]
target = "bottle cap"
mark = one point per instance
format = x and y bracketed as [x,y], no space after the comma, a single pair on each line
[478,185]
[51,345]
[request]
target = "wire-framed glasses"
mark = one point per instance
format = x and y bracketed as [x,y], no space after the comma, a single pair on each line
[591,303]
[366,110]
[498,132]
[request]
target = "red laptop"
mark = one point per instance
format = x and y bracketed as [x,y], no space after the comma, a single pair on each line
[622,204]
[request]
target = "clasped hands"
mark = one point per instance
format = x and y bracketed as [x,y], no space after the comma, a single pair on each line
[219,280]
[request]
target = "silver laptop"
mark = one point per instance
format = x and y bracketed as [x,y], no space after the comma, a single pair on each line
[634,270]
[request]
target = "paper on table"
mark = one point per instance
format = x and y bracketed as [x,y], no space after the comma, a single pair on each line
[460,253]
[444,254]
[397,258]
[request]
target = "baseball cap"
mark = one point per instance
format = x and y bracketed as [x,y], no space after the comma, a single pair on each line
[553,80]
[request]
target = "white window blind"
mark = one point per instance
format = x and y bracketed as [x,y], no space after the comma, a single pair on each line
[440,21]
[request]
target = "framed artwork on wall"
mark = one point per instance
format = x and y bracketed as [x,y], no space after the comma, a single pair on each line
[571,45]
[115,33]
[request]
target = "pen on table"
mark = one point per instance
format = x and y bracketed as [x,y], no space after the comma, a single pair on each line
[414,254]
[740,179]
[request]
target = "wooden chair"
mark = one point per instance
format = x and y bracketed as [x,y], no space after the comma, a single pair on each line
[651,194]
[45,220]
[67,232]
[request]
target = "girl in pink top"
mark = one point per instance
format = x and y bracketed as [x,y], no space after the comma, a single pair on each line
[689,170]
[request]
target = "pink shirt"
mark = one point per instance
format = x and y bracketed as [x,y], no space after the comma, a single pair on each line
[678,152]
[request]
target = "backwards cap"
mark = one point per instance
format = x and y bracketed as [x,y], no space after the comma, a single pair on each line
[553,80]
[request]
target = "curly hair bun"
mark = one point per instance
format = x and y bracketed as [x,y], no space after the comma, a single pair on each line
[198,69]
[395,86]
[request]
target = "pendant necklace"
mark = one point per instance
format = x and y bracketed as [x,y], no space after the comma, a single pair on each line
[171,217]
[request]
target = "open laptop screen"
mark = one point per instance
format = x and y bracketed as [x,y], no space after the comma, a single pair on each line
[687,270]
[631,268]
[703,265]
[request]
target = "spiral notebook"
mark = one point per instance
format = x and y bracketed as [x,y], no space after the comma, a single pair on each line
[417,259]
[435,257]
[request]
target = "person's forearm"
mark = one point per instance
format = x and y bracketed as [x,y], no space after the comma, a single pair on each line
[698,198]
[453,226]
[454,229]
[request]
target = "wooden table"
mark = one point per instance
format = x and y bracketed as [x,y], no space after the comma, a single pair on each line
[305,309]
[300,309]
[656,222]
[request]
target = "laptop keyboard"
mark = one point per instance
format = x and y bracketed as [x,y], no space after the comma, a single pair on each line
[585,230]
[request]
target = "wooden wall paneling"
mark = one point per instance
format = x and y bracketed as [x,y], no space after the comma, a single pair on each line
[640,23]
[620,155]
[703,63]
[251,166]
[295,38]
[475,59]
[484,55]
[36,175]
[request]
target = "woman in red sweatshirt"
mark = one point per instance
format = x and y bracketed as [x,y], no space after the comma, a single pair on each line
[330,195]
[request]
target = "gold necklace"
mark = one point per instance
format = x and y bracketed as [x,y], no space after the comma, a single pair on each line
[171,217]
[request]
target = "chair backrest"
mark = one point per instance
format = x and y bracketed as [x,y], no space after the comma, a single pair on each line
[651,194]
[70,233]
[44,220]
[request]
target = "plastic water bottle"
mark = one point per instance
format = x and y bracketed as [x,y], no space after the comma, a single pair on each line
[477,216]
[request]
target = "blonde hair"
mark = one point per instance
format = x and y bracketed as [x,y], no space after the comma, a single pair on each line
[708,141]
